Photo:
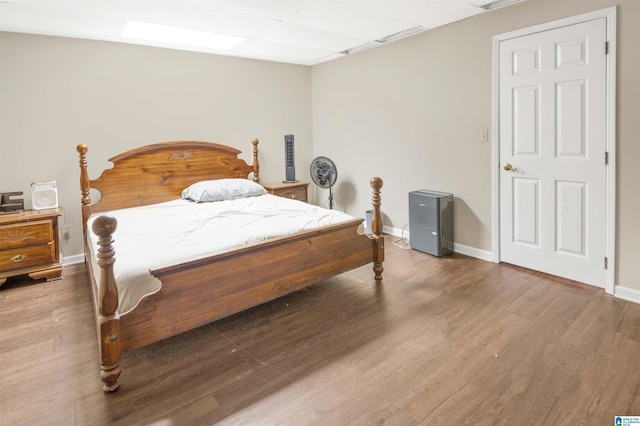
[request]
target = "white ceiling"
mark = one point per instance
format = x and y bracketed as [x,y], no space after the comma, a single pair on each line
[303,32]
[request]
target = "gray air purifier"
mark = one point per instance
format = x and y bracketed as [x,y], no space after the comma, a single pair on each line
[431,222]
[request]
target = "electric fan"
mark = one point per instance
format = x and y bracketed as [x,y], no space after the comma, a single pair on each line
[324,174]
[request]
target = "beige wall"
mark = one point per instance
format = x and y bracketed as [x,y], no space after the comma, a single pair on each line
[411,112]
[56,93]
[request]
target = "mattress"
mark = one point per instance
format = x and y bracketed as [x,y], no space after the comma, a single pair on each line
[170,233]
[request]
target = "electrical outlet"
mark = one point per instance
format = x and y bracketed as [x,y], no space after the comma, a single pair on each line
[66,232]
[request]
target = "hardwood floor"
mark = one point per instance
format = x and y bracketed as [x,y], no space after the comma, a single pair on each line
[450,340]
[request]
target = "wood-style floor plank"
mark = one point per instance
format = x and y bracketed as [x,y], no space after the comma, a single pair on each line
[439,341]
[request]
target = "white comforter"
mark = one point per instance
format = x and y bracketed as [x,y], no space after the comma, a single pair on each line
[170,233]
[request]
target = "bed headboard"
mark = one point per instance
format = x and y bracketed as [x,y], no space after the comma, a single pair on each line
[159,172]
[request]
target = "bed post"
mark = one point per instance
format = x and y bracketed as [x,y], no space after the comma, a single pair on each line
[85,186]
[256,163]
[108,318]
[376,228]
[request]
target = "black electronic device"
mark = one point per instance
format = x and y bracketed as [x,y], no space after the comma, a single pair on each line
[9,204]
[290,168]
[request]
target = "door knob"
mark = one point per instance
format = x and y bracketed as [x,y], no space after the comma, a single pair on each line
[508,167]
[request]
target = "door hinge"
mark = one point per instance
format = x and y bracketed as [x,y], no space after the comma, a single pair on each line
[606,263]
[606,47]
[606,157]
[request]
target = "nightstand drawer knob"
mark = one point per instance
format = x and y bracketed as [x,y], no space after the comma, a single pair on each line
[294,196]
[19,258]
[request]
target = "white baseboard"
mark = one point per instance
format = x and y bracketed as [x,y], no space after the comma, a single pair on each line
[626,293]
[458,248]
[392,231]
[473,252]
[73,259]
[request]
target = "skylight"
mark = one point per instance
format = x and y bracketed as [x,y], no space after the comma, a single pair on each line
[182,36]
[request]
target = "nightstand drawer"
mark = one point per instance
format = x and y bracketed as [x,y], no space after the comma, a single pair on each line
[25,257]
[292,190]
[299,194]
[25,234]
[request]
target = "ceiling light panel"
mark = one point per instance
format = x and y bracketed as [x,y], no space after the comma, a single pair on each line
[194,15]
[179,36]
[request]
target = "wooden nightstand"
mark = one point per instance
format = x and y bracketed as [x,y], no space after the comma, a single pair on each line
[30,244]
[295,190]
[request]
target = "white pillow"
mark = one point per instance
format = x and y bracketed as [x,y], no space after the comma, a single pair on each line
[222,189]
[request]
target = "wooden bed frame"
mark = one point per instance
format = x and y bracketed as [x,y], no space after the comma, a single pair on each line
[201,291]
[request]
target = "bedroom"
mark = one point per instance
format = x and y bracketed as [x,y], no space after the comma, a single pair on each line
[59,92]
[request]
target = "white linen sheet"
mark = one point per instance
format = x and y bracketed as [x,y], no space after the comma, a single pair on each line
[165,234]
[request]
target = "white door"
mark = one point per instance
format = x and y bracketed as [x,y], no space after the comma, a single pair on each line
[552,133]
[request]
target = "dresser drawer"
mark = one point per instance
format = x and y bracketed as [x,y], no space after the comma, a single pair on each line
[30,245]
[299,194]
[25,234]
[25,257]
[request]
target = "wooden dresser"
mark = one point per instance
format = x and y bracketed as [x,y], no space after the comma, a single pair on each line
[295,190]
[30,244]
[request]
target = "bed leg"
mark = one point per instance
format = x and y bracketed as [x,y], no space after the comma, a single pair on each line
[108,318]
[378,258]
[376,228]
[110,350]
